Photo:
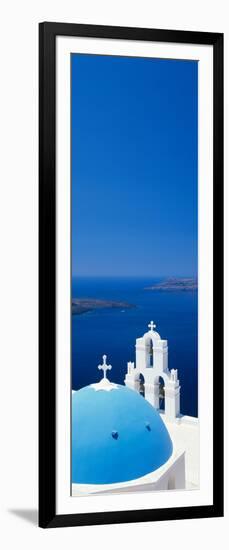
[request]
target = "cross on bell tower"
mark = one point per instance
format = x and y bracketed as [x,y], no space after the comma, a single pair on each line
[104,366]
[152,325]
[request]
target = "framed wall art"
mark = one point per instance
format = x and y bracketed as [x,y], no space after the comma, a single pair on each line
[131,275]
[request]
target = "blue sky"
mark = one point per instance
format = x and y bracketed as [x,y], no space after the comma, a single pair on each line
[134,166]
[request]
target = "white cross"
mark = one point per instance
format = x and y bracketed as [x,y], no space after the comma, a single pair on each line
[151,325]
[104,366]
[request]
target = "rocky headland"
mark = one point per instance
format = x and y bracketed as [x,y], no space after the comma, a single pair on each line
[83,305]
[175,284]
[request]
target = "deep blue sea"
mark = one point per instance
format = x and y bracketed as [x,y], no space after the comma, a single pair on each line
[113,331]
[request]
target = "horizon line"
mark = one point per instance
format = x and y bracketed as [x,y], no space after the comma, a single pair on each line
[134,276]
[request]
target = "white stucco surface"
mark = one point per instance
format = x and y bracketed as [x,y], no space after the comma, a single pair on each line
[185,435]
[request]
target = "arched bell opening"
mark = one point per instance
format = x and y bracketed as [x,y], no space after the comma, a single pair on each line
[142,385]
[151,354]
[161,392]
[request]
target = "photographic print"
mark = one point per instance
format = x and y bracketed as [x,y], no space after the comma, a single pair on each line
[130,275]
[134,184]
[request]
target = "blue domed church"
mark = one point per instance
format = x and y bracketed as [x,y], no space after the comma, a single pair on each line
[121,442]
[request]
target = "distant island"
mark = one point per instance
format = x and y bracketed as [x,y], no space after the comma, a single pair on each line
[175,284]
[83,305]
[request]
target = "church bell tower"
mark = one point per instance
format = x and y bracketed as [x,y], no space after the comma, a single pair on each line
[152,365]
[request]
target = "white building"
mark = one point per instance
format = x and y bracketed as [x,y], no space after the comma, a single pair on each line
[122,442]
[152,364]
[152,367]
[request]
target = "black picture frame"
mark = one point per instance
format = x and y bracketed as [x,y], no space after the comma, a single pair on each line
[47,273]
